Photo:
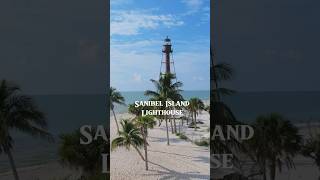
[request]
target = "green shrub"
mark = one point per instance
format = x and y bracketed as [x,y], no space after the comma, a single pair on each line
[192,125]
[202,143]
[182,136]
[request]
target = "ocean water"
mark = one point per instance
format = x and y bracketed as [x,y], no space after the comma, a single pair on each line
[66,113]
[298,107]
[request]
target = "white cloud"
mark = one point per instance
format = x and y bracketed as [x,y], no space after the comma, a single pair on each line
[194,6]
[197,78]
[120,2]
[142,45]
[137,77]
[193,3]
[132,22]
[132,70]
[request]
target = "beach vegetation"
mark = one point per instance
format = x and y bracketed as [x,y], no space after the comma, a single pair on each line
[115,98]
[129,136]
[275,143]
[84,157]
[166,90]
[193,125]
[145,122]
[202,142]
[182,136]
[18,112]
[195,107]
[311,148]
[137,111]
[220,113]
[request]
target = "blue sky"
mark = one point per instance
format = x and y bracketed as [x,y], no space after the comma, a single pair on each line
[138,28]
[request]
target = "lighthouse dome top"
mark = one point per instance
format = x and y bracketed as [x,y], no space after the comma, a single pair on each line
[167,41]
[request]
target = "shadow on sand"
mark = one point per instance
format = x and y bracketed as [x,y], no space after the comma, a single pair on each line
[174,175]
[159,139]
[176,154]
[204,159]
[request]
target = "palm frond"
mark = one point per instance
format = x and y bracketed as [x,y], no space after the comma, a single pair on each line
[151,93]
[115,97]
[224,71]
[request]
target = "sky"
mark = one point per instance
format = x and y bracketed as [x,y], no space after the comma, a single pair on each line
[54,47]
[137,31]
[273,45]
[58,47]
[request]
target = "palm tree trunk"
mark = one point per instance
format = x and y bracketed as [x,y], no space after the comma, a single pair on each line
[180,126]
[174,124]
[264,171]
[145,148]
[115,119]
[273,170]
[214,73]
[168,143]
[195,121]
[140,154]
[171,124]
[13,166]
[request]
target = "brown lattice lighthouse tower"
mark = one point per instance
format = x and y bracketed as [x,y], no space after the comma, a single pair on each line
[167,59]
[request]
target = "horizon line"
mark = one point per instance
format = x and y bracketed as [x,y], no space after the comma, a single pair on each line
[79,94]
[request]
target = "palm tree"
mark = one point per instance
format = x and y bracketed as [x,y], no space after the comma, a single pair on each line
[18,112]
[137,111]
[207,108]
[115,98]
[276,142]
[129,136]
[145,122]
[220,113]
[311,148]
[195,106]
[219,72]
[166,90]
[86,157]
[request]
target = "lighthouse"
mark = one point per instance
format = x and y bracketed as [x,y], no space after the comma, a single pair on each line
[167,59]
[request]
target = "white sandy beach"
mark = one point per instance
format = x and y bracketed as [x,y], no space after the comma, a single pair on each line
[50,171]
[181,160]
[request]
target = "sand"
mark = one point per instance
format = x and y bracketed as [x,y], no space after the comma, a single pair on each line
[50,171]
[180,160]
[202,131]
[305,168]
